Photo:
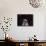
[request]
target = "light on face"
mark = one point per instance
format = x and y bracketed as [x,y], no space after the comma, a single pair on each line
[6,35]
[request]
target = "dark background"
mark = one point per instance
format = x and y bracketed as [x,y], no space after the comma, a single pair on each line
[20,18]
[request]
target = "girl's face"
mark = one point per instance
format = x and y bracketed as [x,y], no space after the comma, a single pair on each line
[25,20]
